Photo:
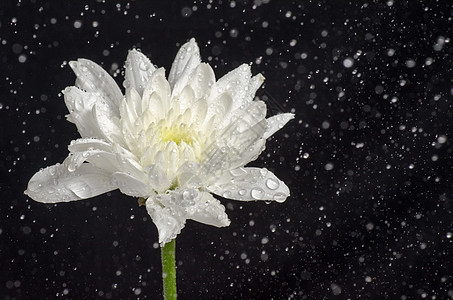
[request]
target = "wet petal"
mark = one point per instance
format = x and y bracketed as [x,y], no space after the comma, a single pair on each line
[186,98]
[186,60]
[138,71]
[254,84]
[56,184]
[168,225]
[220,108]
[210,211]
[248,184]
[80,106]
[135,103]
[130,185]
[188,175]
[157,93]
[157,178]
[245,119]
[247,154]
[108,122]
[201,80]
[98,153]
[236,83]
[93,78]
[276,123]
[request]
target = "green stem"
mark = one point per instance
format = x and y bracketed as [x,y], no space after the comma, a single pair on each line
[169,270]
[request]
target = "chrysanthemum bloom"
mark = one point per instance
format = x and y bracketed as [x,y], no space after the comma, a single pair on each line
[173,142]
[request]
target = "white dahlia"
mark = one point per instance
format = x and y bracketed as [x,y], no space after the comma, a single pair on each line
[171,141]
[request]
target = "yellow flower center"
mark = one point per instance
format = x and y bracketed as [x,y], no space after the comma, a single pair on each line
[178,134]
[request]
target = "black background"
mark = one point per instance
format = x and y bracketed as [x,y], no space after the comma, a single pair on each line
[368,157]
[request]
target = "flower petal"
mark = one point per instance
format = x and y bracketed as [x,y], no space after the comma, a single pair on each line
[86,144]
[188,175]
[236,83]
[92,78]
[135,103]
[210,211]
[157,93]
[138,71]
[276,123]
[108,122]
[247,184]
[220,108]
[56,184]
[215,159]
[247,154]
[199,109]
[130,185]
[168,225]
[186,98]
[157,178]
[97,152]
[245,119]
[254,84]
[111,158]
[186,60]
[201,80]
[80,105]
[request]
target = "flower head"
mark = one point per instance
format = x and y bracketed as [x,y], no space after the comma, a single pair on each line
[173,142]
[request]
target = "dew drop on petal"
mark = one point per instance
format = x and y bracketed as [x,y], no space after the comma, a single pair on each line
[71,167]
[226,194]
[143,66]
[257,193]
[242,192]
[126,84]
[279,197]
[238,172]
[272,184]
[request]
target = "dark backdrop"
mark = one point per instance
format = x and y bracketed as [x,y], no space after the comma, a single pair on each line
[368,157]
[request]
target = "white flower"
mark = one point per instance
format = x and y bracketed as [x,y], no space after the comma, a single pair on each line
[172,142]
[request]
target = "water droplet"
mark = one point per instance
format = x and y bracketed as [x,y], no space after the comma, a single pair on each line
[242,192]
[189,195]
[279,197]
[143,66]
[226,194]
[257,193]
[71,167]
[238,172]
[52,171]
[272,184]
